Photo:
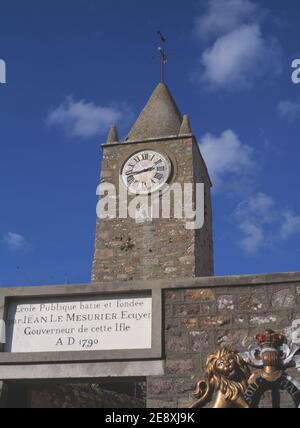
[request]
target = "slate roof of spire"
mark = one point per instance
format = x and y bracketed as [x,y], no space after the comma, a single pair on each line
[159,118]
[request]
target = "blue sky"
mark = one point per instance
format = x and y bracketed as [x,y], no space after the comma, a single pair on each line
[74,67]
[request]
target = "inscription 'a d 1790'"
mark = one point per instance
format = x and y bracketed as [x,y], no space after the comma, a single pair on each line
[46,325]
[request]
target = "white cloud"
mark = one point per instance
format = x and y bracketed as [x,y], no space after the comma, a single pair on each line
[222,17]
[253,237]
[239,52]
[226,157]
[290,226]
[252,216]
[15,241]
[261,223]
[289,109]
[236,59]
[85,119]
[258,208]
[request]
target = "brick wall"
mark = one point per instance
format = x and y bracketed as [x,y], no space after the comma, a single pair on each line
[197,321]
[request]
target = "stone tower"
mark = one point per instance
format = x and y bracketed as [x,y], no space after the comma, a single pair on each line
[158,248]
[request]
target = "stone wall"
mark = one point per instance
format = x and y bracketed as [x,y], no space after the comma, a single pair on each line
[199,320]
[204,251]
[199,316]
[127,250]
[65,396]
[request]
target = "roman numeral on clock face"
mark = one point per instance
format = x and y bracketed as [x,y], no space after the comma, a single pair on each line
[158,176]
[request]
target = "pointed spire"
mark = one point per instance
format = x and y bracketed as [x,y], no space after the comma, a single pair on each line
[113,135]
[160,117]
[185,128]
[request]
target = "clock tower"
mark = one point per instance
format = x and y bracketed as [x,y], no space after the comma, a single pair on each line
[160,151]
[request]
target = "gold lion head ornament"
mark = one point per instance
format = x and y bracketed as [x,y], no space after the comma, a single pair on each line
[227,379]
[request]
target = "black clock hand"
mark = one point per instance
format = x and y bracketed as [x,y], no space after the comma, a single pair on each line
[141,172]
[145,170]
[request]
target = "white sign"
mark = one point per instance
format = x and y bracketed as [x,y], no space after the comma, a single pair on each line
[53,325]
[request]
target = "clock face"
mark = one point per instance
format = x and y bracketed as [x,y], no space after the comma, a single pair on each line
[146,172]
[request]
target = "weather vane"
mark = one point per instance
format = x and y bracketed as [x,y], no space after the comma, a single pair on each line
[163,57]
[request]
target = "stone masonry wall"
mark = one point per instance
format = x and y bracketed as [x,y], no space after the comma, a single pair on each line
[198,321]
[159,249]
[204,239]
[65,396]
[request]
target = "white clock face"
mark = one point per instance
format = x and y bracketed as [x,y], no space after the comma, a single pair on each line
[146,172]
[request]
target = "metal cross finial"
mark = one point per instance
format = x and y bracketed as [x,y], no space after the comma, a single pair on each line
[163,57]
